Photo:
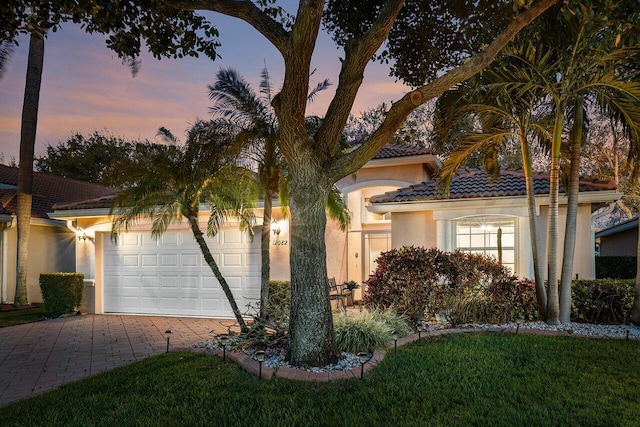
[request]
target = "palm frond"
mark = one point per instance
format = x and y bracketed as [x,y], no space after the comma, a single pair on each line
[311,96]
[6,51]
[337,209]
[133,63]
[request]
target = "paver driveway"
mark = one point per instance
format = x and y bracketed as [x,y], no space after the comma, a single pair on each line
[41,356]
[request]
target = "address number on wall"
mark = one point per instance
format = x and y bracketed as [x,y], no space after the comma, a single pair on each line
[280,242]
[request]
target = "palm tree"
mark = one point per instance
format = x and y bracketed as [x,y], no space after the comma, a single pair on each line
[170,182]
[235,100]
[503,118]
[592,71]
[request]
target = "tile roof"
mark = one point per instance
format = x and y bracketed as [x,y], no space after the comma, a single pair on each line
[476,183]
[47,191]
[396,150]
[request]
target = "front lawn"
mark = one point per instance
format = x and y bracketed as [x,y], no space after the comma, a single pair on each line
[18,317]
[463,379]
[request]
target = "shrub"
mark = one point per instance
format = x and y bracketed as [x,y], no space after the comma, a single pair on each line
[465,287]
[61,292]
[403,279]
[605,301]
[360,332]
[616,267]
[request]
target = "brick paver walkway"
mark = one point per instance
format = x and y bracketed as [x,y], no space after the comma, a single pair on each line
[41,356]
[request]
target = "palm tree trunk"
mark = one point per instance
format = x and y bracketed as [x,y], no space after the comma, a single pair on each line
[265,243]
[541,293]
[197,233]
[572,213]
[311,334]
[25,172]
[553,303]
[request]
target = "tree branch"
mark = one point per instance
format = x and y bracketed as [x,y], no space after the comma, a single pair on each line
[358,53]
[241,9]
[351,162]
[290,104]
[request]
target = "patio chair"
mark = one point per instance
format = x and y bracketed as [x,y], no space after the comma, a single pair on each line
[338,293]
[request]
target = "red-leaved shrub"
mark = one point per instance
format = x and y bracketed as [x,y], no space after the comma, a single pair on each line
[464,287]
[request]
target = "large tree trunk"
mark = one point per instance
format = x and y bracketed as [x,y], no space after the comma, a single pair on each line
[197,233]
[553,303]
[311,335]
[265,243]
[541,292]
[572,213]
[25,173]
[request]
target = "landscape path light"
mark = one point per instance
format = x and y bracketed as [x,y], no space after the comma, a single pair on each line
[223,341]
[167,333]
[363,358]
[420,328]
[260,359]
[396,335]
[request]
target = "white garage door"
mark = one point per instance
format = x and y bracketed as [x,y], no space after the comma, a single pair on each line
[169,276]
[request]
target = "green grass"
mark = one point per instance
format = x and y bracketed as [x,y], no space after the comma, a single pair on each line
[460,380]
[18,317]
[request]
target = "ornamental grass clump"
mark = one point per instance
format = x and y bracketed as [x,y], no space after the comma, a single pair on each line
[361,332]
[396,321]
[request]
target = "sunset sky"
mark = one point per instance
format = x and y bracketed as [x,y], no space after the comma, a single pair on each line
[85,87]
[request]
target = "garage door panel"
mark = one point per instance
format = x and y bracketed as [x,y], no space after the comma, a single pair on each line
[149,303]
[169,276]
[169,260]
[189,260]
[232,260]
[128,239]
[148,260]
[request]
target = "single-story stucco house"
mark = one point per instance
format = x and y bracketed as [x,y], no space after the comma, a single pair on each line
[393,202]
[51,242]
[619,240]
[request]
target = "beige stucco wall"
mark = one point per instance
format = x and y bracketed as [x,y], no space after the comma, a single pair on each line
[583,262]
[428,229]
[413,228]
[51,249]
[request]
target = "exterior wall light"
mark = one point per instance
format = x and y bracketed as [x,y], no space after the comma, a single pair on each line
[275,227]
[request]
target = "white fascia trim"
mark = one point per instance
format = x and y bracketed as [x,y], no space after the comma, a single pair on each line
[79,213]
[400,161]
[48,222]
[493,202]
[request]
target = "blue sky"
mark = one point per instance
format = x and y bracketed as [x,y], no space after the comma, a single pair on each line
[85,87]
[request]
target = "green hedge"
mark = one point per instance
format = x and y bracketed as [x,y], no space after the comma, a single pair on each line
[61,292]
[606,301]
[616,267]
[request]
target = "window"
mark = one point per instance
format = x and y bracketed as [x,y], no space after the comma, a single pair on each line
[372,217]
[481,235]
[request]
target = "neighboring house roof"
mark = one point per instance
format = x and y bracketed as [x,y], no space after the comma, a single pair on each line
[618,228]
[395,150]
[101,202]
[476,183]
[47,191]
